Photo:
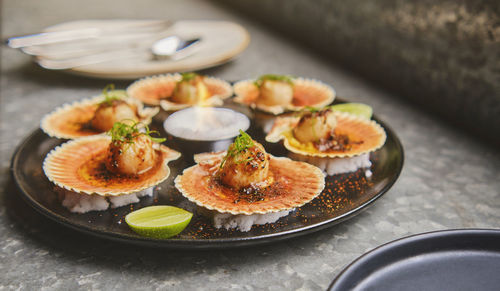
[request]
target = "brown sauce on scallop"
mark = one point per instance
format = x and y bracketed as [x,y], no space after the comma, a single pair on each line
[94,171]
[247,195]
[336,143]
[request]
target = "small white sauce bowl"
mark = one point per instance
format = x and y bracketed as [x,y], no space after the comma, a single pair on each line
[206,123]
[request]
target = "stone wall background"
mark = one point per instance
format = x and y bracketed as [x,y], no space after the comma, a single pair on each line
[443,56]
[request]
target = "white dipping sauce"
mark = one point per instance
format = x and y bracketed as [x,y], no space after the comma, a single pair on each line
[206,123]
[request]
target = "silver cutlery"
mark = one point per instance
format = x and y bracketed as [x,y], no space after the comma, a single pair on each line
[70,48]
[68,35]
[169,48]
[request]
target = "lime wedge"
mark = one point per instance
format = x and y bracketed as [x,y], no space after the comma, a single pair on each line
[159,221]
[359,109]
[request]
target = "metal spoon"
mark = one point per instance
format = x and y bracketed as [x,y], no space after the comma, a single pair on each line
[174,47]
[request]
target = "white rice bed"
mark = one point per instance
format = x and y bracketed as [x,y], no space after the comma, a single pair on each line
[82,203]
[334,166]
[244,222]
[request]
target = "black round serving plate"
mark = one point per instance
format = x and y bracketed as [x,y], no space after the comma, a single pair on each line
[344,195]
[461,259]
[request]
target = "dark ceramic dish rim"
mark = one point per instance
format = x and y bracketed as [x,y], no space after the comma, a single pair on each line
[206,243]
[374,259]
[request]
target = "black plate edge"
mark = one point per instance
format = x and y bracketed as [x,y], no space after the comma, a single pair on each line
[208,243]
[368,259]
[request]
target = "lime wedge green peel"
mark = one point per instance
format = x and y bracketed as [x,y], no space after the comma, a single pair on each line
[159,221]
[359,109]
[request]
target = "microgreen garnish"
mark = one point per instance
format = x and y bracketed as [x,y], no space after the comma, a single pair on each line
[312,109]
[125,133]
[308,109]
[186,77]
[272,77]
[241,143]
[109,94]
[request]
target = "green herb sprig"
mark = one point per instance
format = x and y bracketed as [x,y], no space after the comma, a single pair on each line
[313,109]
[272,77]
[110,95]
[308,109]
[125,133]
[241,143]
[186,77]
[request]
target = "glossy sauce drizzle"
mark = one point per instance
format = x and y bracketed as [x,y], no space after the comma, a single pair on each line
[94,171]
[248,195]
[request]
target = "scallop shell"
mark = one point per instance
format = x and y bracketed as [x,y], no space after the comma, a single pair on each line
[66,121]
[63,166]
[357,128]
[303,181]
[155,90]
[306,92]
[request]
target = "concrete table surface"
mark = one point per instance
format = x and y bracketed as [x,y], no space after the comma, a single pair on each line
[449,180]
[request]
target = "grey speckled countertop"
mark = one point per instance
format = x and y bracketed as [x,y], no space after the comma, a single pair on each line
[448,181]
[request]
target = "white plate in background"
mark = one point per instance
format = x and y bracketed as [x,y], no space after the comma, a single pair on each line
[220,42]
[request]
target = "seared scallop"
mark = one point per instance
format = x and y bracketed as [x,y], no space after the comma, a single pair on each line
[131,157]
[131,149]
[313,126]
[276,92]
[190,90]
[113,111]
[246,163]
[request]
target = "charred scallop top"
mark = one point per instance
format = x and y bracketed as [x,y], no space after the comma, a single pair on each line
[245,163]
[131,151]
[112,109]
[315,125]
[190,89]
